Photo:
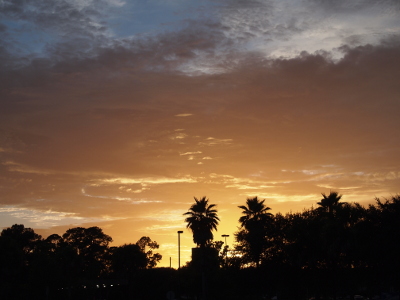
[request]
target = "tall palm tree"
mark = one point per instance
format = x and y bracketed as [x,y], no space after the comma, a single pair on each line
[255,224]
[255,211]
[329,203]
[202,220]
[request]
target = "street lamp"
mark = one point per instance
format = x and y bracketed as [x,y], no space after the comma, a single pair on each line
[179,248]
[225,236]
[226,247]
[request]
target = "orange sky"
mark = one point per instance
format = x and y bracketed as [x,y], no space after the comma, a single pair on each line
[124,133]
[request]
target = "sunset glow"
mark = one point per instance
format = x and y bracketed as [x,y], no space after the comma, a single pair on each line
[117,113]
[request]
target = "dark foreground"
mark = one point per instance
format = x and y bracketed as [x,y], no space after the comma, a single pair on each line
[266,282]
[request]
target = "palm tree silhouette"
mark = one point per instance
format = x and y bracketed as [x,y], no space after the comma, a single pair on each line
[255,211]
[256,223]
[202,220]
[331,202]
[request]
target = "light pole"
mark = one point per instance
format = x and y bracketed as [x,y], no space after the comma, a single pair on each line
[179,248]
[225,236]
[179,263]
[226,253]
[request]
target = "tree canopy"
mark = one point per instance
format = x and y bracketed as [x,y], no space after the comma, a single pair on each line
[202,220]
[255,223]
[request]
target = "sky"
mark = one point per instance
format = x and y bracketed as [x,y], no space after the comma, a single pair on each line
[117,113]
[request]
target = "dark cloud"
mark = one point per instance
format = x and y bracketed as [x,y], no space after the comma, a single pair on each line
[77,39]
[357,95]
[64,17]
[61,29]
[354,6]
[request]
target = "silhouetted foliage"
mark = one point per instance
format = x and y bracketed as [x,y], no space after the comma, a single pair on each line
[145,243]
[334,249]
[253,238]
[59,266]
[91,247]
[321,252]
[24,238]
[126,260]
[202,220]
[330,203]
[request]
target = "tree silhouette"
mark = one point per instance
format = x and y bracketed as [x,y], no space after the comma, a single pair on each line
[17,246]
[202,220]
[387,237]
[91,246]
[255,223]
[151,258]
[22,242]
[330,203]
[24,238]
[127,259]
[255,211]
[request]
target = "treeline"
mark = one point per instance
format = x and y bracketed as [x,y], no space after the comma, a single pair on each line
[331,251]
[334,235]
[72,266]
[334,250]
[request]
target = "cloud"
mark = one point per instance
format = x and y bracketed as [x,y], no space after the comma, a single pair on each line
[148,180]
[166,216]
[282,198]
[210,141]
[45,219]
[230,181]
[354,6]
[77,37]
[128,199]
[68,28]
[258,20]
[179,136]
[17,167]
[191,153]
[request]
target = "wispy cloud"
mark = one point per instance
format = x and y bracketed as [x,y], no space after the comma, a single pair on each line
[47,218]
[210,141]
[274,197]
[179,136]
[146,180]
[183,115]
[119,198]
[18,167]
[240,183]
[190,153]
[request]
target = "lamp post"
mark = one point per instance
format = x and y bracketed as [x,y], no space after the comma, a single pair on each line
[226,253]
[179,248]
[225,236]
[179,263]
